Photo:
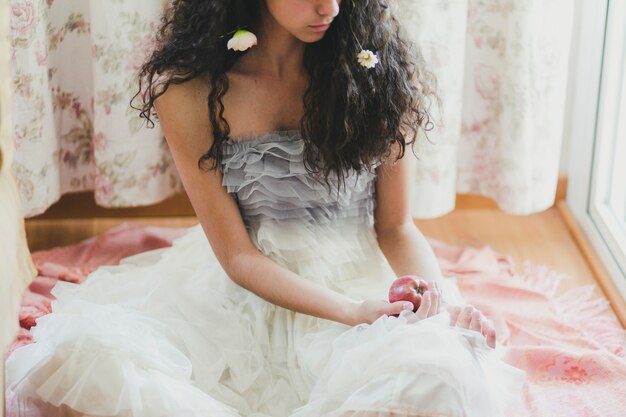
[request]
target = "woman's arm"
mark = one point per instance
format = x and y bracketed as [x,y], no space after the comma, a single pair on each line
[402,243]
[278,285]
[409,253]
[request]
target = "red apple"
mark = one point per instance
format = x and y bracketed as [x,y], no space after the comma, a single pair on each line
[408,288]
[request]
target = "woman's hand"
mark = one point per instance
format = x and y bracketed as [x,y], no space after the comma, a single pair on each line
[368,311]
[469,317]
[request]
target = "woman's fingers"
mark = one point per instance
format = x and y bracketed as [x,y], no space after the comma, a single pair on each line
[487,330]
[476,321]
[433,287]
[433,302]
[425,306]
[473,319]
[491,337]
[397,307]
[454,311]
[465,317]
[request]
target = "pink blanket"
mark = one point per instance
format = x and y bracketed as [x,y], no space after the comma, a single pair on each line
[574,357]
[73,263]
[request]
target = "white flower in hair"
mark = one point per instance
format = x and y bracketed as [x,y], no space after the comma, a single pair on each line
[241,40]
[367,58]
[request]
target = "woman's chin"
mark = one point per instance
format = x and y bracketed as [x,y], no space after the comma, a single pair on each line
[310,36]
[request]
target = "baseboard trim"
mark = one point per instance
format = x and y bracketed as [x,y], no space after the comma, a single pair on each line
[595,264]
[474,201]
[82,205]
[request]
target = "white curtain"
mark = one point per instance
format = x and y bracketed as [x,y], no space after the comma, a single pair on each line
[501,66]
[74,66]
[16,266]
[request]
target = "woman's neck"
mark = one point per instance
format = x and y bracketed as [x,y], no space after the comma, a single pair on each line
[278,53]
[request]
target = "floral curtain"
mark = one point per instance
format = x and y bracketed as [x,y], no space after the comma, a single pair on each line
[74,74]
[16,265]
[501,66]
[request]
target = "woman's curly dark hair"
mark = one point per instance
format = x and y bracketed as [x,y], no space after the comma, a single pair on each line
[352,114]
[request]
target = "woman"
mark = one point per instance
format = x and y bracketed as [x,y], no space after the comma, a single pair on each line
[287,121]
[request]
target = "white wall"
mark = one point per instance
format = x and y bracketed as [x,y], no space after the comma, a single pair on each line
[567,120]
[564,155]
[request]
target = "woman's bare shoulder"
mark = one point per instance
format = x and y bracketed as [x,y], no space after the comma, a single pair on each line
[182,110]
[183,117]
[186,95]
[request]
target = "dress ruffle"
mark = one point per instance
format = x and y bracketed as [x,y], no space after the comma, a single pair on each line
[167,332]
[397,368]
[269,179]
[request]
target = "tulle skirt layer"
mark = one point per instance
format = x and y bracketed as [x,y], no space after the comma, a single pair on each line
[167,332]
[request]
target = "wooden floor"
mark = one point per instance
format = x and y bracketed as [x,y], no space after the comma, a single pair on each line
[541,238]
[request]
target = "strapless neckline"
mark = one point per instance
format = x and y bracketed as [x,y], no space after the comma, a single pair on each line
[247,138]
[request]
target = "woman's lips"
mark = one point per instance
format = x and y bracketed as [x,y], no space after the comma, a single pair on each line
[320,28]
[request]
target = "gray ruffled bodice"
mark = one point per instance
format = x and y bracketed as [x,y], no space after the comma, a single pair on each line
[267,177]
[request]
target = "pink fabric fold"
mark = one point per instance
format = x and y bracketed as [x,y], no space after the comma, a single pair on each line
[73,263]
[574,357]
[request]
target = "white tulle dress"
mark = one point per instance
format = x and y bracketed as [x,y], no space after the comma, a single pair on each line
[167,333]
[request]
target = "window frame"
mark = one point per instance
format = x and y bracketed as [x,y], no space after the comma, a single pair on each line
[588,81]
